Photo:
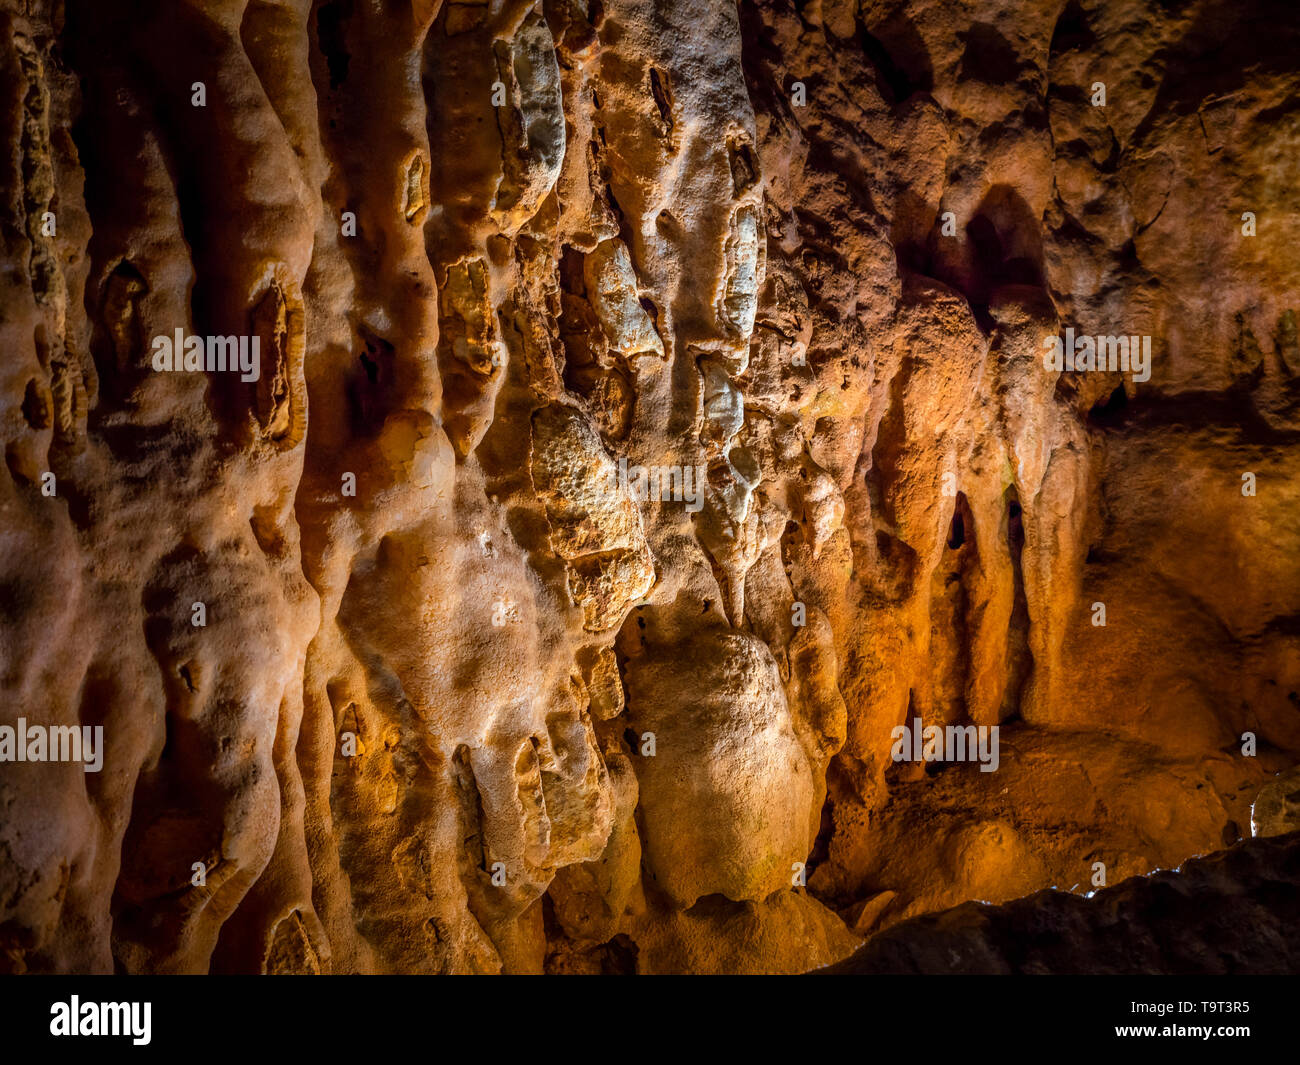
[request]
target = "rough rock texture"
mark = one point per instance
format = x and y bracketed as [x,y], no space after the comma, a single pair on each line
[1277,809]
[652,415]
[1233,913]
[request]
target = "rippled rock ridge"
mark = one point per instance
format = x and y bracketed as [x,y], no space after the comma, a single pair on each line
[605,486]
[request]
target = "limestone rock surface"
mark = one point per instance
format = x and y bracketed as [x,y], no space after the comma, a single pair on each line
[1229,914]
[651,416]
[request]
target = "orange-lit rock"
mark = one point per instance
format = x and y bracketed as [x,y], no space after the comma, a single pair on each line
[629,370]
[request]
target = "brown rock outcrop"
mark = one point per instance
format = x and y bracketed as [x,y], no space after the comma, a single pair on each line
[1232,913]
[652,413]
[1276,811]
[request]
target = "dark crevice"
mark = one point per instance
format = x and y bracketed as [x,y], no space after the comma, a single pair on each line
[372,388]
[36,406]
[1072,32]
[329,31]
[1019,658]
[744,167]
[989,57]
[900,60]
[1110,411]
[821,850]
[957,527]
[662,93]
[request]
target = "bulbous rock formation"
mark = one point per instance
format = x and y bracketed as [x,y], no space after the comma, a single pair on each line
[654,412]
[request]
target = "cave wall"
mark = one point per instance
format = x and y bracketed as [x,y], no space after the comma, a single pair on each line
[464,697]
[1231,914]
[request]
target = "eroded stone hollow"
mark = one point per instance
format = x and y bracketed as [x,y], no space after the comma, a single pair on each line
[635,485]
